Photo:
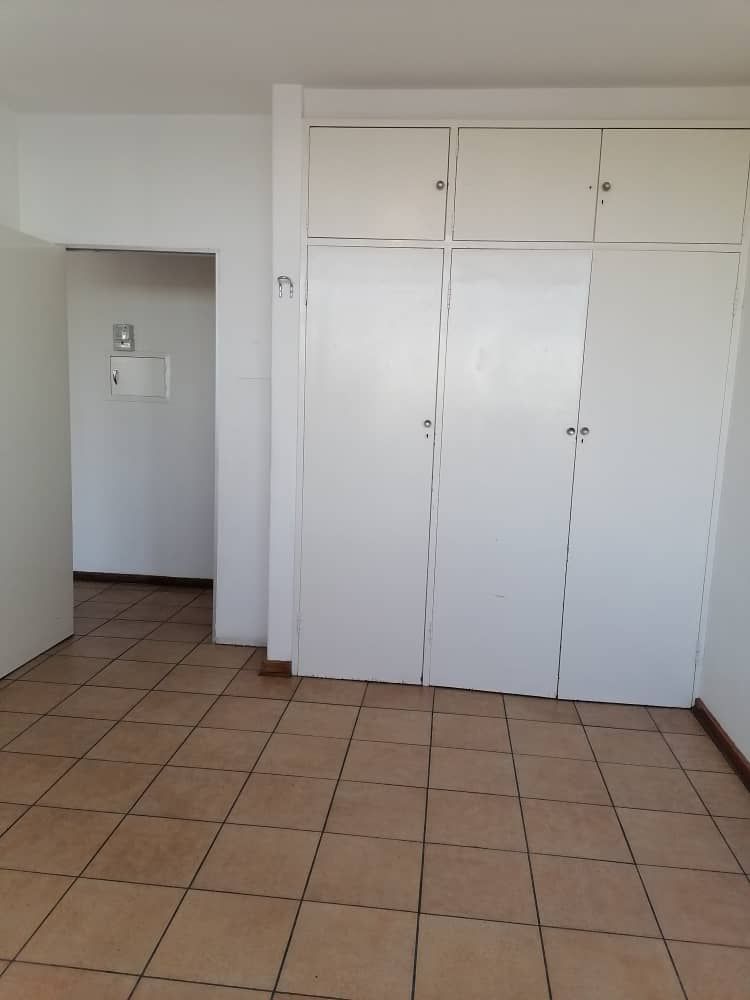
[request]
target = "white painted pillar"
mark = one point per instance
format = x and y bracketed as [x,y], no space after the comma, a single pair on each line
[287,160]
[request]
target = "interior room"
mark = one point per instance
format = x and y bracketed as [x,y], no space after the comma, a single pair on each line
[373,525]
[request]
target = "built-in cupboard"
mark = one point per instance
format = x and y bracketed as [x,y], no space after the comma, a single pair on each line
[515,351]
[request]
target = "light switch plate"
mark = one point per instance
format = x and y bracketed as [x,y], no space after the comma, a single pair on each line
[123,337]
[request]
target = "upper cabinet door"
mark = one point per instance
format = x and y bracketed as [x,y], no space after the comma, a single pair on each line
[672,185]
[526,184]
[378,183]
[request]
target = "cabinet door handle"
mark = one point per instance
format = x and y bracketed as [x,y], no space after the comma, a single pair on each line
[584,431]
[440,185]
[570,431]
[606,186]
[116,375]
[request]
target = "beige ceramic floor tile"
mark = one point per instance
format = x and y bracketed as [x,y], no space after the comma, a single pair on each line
[199,680]
[628,746]
[574,829]
[67,669]
[410,697]
[581,963]
[393,725]
[24,777]
[226,749]
[371,810]
[594,713]
[111,926]
[456,702]
[55,841]
[100,784]
[159,652]
[540,709]
[33,897]
[697,753]
[60,737]
[476,959]
[257,714]
[663,788]
[330,692]
[284,801]
[153,850]
[737,833]
[210,655]
[105,647]
[549,739]
[592,896]
[191,793]
[247,684]
[561,779]
[118,628]
[139,742]
[180,632]
[365,871]
[261,860]
[226,938]
[345,951]
[710,972]
[304,756]
[30,696]
[472,820]
[99,703]
[13,723]
[386,763]
[470,732]
[131,674]
[676,720]
[472,882]
[35,982]
[708,907]
[723,794]
[472,771]
[308,718]
[163,989]
[9,813]
[172,708]
[676,840]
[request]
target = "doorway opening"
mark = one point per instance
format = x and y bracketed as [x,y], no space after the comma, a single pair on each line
[141,350]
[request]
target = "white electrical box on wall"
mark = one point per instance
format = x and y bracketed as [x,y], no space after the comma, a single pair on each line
[138,378]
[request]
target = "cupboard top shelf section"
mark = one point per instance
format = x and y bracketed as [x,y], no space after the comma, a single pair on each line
[516,184]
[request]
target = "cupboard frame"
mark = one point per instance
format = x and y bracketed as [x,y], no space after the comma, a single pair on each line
[448,244]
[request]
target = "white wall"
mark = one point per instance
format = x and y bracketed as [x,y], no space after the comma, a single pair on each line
[36,578]
[183,182]
[724,684]
[143,471]
[8,168]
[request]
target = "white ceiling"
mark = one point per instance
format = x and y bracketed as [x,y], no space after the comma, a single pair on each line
[223,55]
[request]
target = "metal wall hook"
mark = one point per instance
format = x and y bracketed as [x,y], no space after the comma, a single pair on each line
[280,282]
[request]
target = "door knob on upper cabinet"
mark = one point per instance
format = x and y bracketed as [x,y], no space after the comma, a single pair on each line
[606,186]
[440,185]
[428,423]
[570,431]
[584,431]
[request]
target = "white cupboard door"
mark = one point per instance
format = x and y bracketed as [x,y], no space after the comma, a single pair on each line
[378,183]
[672,185]
[373,321]
[653,384]
[515,342]
[36,561]
[520,184]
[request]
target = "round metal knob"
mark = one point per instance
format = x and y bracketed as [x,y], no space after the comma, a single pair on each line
[428,423]
[440,185]
[570,431]
[584,431]
[606,186]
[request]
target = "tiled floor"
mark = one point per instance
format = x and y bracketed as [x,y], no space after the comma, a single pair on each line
[173,819]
